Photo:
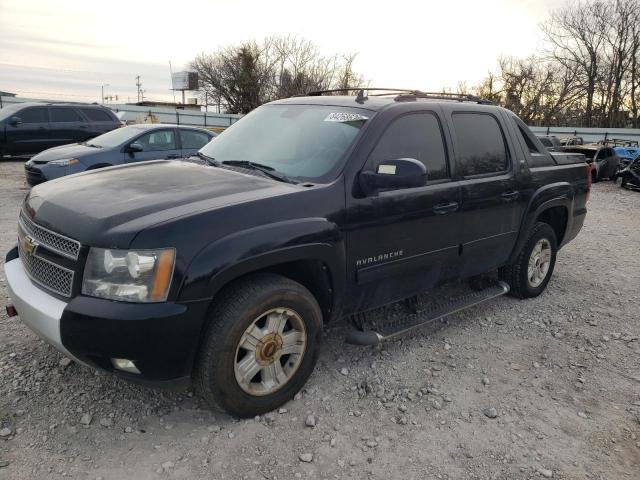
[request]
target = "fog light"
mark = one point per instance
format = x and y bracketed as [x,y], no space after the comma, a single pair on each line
[125,365]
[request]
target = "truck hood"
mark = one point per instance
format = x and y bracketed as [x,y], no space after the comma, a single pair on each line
[108,207]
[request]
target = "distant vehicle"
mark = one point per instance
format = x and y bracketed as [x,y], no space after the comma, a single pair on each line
[570,141]
[134,143]
[28,128]
[630,175]
[551,143]
[627,155]
[619,142]
[603,160]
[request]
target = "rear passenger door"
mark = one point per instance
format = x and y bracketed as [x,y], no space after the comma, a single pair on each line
[157,145]
[192,140]
[402,242]
[67,125]
[98,121]
[490,212]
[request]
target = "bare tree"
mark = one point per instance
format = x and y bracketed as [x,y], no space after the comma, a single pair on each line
[248,75]
[576,34]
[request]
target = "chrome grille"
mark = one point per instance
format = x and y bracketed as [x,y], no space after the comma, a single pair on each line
[47,274]
[53,241]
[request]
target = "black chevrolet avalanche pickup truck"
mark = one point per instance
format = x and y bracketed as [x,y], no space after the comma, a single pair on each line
[222,271]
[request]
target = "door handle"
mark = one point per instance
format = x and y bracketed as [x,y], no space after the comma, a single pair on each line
[169,157]
[510,196]
[444,208]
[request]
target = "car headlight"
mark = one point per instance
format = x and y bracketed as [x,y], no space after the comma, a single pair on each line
[65,162]
[129,275]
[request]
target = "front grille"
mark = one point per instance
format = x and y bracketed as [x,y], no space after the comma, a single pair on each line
[65,246]
[47,274]
[34,176]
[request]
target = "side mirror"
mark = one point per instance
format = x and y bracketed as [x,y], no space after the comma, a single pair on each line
[394,175]
[15,121]
[135,147]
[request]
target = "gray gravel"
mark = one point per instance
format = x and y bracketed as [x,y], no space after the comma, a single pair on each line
[561,373]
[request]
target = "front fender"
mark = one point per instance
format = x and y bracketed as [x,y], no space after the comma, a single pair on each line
[261,247]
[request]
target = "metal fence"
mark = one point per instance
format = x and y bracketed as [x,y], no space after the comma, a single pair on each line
[589,134]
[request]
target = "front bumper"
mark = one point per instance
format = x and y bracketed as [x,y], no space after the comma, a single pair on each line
[38,310]
[162,339]
[33,175]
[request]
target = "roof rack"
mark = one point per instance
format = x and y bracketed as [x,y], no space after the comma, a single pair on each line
[401,94]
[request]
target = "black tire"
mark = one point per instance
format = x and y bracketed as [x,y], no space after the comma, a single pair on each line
[594,176]
[623,183]
[241,304]
[516,274]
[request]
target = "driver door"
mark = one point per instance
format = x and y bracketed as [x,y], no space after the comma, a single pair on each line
[403,242]
[156,145]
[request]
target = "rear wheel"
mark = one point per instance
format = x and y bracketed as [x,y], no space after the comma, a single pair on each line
[261,345]
[531,271]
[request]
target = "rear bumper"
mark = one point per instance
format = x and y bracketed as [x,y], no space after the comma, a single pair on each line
[162,339]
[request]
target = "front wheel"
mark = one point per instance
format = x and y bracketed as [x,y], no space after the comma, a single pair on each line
[531,271]
[261,345]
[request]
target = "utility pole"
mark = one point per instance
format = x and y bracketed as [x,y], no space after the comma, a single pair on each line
[102,92]
[138,84]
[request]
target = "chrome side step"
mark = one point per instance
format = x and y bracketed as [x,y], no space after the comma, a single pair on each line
[394,327]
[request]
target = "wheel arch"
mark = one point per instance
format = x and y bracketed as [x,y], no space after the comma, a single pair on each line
[551,204]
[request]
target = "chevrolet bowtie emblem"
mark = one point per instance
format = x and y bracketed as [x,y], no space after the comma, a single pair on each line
[28,244]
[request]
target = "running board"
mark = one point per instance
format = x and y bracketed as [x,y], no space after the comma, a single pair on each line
[392,328]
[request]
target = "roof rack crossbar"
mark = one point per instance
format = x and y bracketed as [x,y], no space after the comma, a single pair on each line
[401,94]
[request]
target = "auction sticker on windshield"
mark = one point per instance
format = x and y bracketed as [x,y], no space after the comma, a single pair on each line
[344,117]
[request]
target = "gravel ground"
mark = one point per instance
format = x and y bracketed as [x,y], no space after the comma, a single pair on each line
[543,388]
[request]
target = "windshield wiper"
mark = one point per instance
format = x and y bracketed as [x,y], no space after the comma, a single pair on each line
[210,160]
[265,169]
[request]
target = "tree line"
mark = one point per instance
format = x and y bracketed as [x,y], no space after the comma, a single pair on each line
[587,74]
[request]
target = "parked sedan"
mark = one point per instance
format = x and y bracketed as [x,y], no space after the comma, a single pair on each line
[135,143]
[28,128]
[603,160]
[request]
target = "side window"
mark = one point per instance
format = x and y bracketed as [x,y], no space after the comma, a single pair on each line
[532,142]
[65,114]
[34,115]
[602,154]
[417,136]
[97,115]
[192,139]
[158,140]
[481,147]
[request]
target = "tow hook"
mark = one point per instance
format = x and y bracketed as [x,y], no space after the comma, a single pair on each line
[11,311]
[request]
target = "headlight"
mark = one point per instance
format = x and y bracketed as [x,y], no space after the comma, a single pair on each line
[129,276]
[64,162]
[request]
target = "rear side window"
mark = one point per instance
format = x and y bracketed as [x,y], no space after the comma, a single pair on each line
[193,139]
[481,147]
[34,115]
[159,140]
[97,115]
[64,114]
[416,136]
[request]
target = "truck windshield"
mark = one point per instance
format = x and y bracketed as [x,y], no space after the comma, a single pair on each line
[302,141]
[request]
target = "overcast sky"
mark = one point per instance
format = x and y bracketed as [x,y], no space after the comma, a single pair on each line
[66,49]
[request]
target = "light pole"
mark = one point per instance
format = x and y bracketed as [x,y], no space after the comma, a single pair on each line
[102,92]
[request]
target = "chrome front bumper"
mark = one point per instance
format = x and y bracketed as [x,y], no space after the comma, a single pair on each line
[37,309]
